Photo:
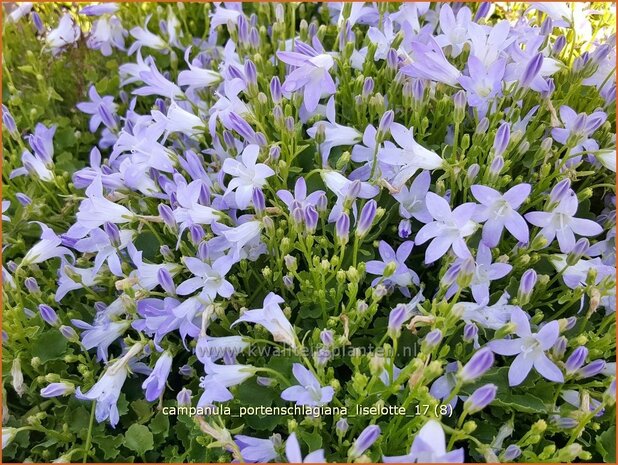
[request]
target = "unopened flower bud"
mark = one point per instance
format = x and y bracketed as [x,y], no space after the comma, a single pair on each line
[477,366]
[481,398]
[48,314]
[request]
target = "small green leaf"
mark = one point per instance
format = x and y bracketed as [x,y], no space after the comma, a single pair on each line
[139,439]
[50,346]
[606,445]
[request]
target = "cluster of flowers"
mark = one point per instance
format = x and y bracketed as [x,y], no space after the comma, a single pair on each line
[440,160]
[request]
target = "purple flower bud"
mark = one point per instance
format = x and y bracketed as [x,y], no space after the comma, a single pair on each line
[297,215]
[69,333]
[482,11]
[470,331]
[368,86]
[392,59]
[571,322]
[512,452]
[326,336]
[526,285]
[564,422]
[560,347]
[12,266]
[576,360]
[254,38]
[496,166]
[579,250]
[48,314]
[166,281]
[341,426]
[184,396]
[365,221]
[354,190]
[473,171]
[186,371]
[167,215]
[501,141]
[405,229]
[112,232]
[275,90]
[166,252]
[551,87]
[451,274]
[600,53]
[531,70]
[8,121]
[322,203]
[608,92]
[481,398]
[288,281]
[38,22]
[483,126]
[323,356]
[56,389]
[274,153]
[250,72]
[477,366]
[311,218]
[364,441]
[592,369]
[289,124]
[418,90]
[433,338]
[32,285]
[396,318]
[259,201]
[23,199]
[459,100]
[241,126]
[342,229]
[547,27]
[385,122]
[196,234]
[560,191]
[559,44]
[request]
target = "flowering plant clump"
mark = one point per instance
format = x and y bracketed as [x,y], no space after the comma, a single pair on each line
[343,232]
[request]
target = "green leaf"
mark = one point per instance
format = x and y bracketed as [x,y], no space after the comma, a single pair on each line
[142,409]
[139,439]
[160,424]
[50,346]
[606,445]
[109,445]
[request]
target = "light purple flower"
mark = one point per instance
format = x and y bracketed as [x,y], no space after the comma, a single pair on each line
[255,450]
[479,363]
[412,200]
[364,441]
[408,159]
[449,228]
[335,135]
[530,349]
[403,276]
[299,199]
[308,391]
[57,389]
[106,392]
[561,223]
[154,385]
[219,378]
[483,83]
[577,129]
[294,455]
[484,272]
[498,211]
[247,175]
[429,446]
[48,247]
[66,33]
[100,243]
[430,63]
[210,278]
[311,74]
[273,319]
[454,28]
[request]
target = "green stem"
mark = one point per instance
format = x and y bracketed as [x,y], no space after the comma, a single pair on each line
[89,437]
